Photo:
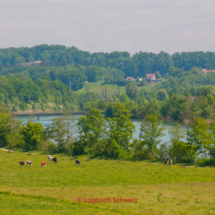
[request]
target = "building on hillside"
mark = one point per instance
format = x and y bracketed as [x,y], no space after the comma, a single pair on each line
[205,71]
[35,63]
[86,82]
[150,77]
[130,79]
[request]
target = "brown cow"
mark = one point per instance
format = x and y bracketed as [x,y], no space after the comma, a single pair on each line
[43,164]
[22,163]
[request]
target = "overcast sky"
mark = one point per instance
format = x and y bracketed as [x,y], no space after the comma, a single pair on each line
[111,25]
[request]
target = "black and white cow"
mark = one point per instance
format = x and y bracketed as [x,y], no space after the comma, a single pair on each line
[54,160]
[49,157]
[28,162]
[78,162]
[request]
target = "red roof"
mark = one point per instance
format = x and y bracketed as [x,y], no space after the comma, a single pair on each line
[210,71]
[150,75]
[130,78]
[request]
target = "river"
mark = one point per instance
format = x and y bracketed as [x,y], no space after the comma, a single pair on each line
[47,120]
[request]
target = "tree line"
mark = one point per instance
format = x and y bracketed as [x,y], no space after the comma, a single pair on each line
[138,64]
[73,77]
[24,94]
[112,138]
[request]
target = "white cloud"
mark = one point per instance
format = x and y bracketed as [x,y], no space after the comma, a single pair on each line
[123,25]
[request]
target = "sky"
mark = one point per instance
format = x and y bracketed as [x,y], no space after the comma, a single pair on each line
[111,25]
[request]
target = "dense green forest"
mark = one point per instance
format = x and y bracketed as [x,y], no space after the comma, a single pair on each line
[182,85]
[179,96]
[65,74]
[138,64]
[24,94]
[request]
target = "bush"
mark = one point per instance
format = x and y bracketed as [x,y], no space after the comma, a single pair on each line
[43,146]
[205,162]
[52,148]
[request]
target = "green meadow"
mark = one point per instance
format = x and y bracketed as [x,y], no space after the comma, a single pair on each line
[56,188]
[100,85]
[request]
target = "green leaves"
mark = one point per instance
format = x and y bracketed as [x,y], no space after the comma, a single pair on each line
[91,127]
[201,135]
[32,133]
[151,130]
[120,127]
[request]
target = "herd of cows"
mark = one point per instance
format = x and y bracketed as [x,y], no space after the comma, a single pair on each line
[43,163]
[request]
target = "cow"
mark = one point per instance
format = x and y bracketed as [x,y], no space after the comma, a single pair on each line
[78,162]
[54,160]
[28,162]
[49,157]
[43,164]
[22,163]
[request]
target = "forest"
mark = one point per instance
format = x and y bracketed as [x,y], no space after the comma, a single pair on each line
[138,64]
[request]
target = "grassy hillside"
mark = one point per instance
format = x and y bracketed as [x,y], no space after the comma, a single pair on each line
[99,86]
[55,189]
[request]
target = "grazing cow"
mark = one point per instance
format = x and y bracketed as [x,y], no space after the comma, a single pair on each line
[43,164]
[28,163]
[78,162]
[22,163]
[49,157]
[54,160]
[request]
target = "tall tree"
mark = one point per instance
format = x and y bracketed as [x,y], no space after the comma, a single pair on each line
[33,133]
[120,127]
[151,130]
[199,135]
[91,128]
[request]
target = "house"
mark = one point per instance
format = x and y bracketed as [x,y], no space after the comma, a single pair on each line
[130,79]
[205,71]
[150,77]
[139,79]
[86,82]
[35,63]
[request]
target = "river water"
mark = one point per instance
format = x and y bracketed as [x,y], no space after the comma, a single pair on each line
[47,120]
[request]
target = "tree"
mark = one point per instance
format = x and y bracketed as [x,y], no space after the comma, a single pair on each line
[124,98]
[151,107]
[151,130]
[162,95]
[32,134]
[195,71]
[179,150]
[61,130]
[157,75]
[131,90]
[57,131]
[199,135]
[7,124]
[120,127]
[91,128]
[177,132]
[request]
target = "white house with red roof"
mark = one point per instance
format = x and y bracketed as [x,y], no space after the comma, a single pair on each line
[150,77]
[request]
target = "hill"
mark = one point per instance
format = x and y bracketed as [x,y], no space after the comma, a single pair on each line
[138,64]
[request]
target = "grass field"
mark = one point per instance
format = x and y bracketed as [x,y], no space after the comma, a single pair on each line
[99,86]
[55,189]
